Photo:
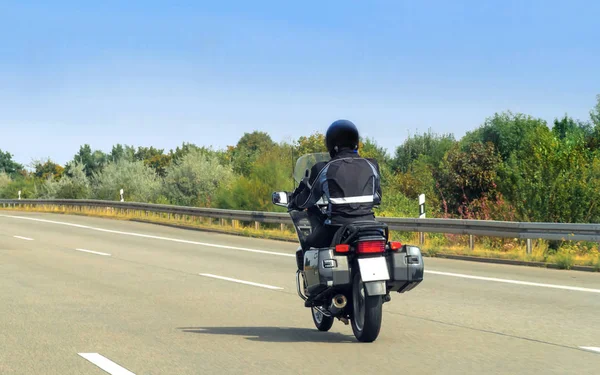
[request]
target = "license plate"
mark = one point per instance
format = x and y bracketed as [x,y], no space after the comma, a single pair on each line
[373,269]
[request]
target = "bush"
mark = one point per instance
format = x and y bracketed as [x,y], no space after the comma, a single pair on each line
[564,260]
[270,172]
[73,185]
[396,204]
[140,182]
[5,180]
[195,179]
[29,187]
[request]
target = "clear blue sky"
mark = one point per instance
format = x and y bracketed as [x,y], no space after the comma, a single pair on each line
[163,73]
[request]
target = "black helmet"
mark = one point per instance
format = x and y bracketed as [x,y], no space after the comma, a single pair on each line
[342,133]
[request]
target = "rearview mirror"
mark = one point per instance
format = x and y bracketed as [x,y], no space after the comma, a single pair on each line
[280,198]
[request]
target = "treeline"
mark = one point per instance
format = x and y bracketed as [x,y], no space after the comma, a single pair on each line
[513,167]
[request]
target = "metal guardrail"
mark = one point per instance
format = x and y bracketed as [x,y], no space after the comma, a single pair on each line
[506,229]
[215,213]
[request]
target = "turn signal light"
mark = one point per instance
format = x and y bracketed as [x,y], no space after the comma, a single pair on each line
[369,247]
[395,245]
[342,248]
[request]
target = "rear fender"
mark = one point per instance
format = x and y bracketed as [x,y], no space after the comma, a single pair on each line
[376,288]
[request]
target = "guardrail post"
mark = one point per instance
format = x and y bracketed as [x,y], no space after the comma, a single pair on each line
[471,242]
[256,225]
[529,246]
[282,226]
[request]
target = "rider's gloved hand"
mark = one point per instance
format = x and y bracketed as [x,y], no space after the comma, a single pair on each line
[292,204]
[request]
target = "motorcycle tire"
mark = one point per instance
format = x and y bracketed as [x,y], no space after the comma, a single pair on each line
[366,312]
[322,322]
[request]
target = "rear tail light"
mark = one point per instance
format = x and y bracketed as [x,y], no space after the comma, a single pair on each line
[342,248]
[395,245]
[370,247]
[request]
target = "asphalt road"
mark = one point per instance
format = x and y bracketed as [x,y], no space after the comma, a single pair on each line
[81,293]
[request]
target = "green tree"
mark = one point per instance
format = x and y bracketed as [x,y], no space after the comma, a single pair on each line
[93,162]
[195,179]
[467,175]
[370,149]
[312,144]
[47,169]
[224,156]
[430,145]
[159,163]
[8,165]
[567,127]
[506,131]
[248,149]
[181,151]
[270,172]
[120,152]
[553,179]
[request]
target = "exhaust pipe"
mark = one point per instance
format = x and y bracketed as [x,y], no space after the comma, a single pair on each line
[339,301]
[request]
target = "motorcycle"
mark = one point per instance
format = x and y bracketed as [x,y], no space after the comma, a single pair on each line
[352,278]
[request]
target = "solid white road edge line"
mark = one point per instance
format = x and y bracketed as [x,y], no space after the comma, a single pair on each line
[554,286]
[150,236]
[24,238]
[590,349]
[93,252]
[105,364]
[240,281]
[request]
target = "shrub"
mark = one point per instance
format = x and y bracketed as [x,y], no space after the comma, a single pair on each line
[195,179]
[73,185]
[140,182]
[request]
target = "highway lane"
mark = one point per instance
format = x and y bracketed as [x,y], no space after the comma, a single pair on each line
[146,307]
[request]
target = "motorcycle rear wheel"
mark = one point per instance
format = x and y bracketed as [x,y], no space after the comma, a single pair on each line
[366,312]
[322,322]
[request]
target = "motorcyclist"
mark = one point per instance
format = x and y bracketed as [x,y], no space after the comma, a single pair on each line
[349,183]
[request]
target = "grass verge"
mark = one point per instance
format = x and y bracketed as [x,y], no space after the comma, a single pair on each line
[434,244]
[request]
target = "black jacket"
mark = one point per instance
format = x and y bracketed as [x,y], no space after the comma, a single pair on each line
[349,183]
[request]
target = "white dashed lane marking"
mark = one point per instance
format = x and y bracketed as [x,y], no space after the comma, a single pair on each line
[590,349]
[93,252]
[106,364]
[23,238]
[240,281]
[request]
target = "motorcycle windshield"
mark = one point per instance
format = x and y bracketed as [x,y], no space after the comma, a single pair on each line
[306,162]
